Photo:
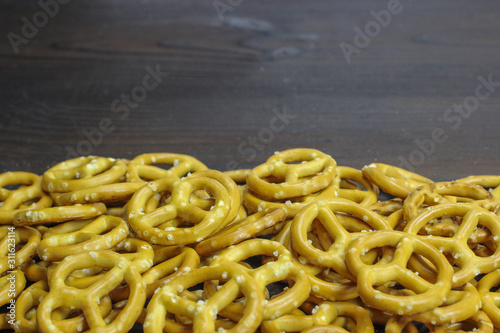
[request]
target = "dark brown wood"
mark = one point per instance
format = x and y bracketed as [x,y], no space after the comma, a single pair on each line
[225,78]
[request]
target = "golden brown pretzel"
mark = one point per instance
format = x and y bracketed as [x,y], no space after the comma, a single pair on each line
[456,247]
[147,222]
[203,312]
[323,315]
[29,196]
[324,211]
[238,232]
[83,172]
[417,295]
[317,171]
[58,214]
[142,168]
[70,238]
[393,180]
[119,270]
[279,269]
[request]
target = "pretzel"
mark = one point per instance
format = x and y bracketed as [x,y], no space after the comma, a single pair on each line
[119,270]
[446,192]
[334,288]
[490,299]
[108,193]
[147,222]
[393,180]
[456,247]
[459,305]
[356,187]
[65,319]
[399,324]
[324,212]
[83,172]
[323,315]
[28,196]
[35,270]
[58,214]
[239,176]
[478,323]
[142,168]
[292,180]
[169,262]
[488,182]
[291,206]
[203,314]
[70,238]
[281,268]
[238,232]
[418,294]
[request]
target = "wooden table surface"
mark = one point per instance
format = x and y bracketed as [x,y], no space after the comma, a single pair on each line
[409,83]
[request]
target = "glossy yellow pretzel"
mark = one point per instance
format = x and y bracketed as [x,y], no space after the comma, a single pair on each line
[119,270]
[147,223]
[29,196]
[393,180]
[69,238]
[292,180]
[109,194]
[58,214]
[488,182]
[279,269]
[323,315]
[456,247]
[324,212]
[203,313]
[356,187]
[419,294]
[238,232]
[83,172]
[490,299]
[142,168]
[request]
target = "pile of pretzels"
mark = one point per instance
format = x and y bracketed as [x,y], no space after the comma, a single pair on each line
[161,243]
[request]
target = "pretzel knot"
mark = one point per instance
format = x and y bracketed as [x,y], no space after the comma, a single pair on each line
[333,253]
[28,196]
[73,237]
[457,247]
[393,180]
[204,312]
[281,177]
[417,294]
[279,269]
[83,172]
[119,270]
[142,168]
[178,222]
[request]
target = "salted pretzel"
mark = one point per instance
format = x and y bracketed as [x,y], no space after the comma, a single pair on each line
[490,297]
[142,168]
[323,211]
[65,319]
[323,316]
[73,237]
[279,178]
[120,270]
[478,323]
[108,193]
[399,324]
[58,214]
[417,295]
[487,181]
[203,313]
[279,268]
[356,187]
[239,176]
[323,284]
[28,196]
[446,192]
[35,269]
[83,172]
[238,232]
[393,180]
[147,222]
[471,217]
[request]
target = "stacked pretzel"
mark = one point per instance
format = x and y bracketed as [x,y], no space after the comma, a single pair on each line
[296,244]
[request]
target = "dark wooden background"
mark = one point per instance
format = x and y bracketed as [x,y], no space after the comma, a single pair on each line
[228,72]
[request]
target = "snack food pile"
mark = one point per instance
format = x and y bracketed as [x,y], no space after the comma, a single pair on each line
[296,244]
